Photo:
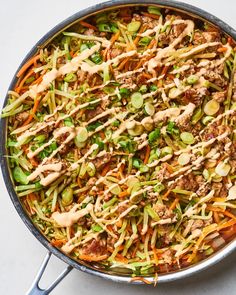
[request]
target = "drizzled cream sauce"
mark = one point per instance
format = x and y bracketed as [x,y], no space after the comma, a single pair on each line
[69,67]
[69,218]
[162,53]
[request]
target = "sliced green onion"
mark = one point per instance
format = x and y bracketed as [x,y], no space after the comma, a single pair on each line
[211,107]
[83,47]
[104,28]
[143,168]
[154,10]
[153,88]
[149,108]
[82,134]
[67,196]
[167,150]
[184,159]
[159,187]
[96,58]
[137,100]
[155,134]
[91,169]
[133,26]
[124,92]
[222,169]
[187,137]
[71,77]
[136,163]
[192,79]
[143,89]
[207,119]
[144,41]
[40,138]
[96,228]
[110,203]
[20,176]
[106,74]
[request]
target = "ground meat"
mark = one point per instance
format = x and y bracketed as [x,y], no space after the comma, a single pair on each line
[90,114]
[195,95]
[99,162]
[197,224]
[163,172]
[22,117]
[220,189]
[167,256]
[115,52]
[141,79]
[60,141]
[122,208]
[163,211]
[148,21]
[219,96]
[204,37]
[111,241]
[178,29]
[214,130]
[81,76]
[89,32]
[215,76]
[188,182]
[95,247]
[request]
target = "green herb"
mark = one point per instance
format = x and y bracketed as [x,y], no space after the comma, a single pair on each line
[20,176]
[155,134]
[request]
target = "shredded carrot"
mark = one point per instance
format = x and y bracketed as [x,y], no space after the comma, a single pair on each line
[37,81]
[151,15]
[226,224]
[33,111]
[146,75]
[79,182]
[174,203]
[121,258]
[58,243]
[87,25]
[164,70]
[225,212]
[216,217]
[119,223]
[141,30]
[34,162]
[229,214]
[112,40]
[222,49]
[169,168]
[141,279]
[29,63]
[21,84]
[135,249]
[32,196]
[122,64]
[152,44]
[155,255]
[147,154]
[105,169]
[88,257]
[123,194]
[166,194]
[102,134]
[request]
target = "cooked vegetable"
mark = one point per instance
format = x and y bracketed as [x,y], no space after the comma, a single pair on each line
[121,140]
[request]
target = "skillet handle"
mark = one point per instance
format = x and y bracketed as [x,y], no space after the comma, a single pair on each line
[35,289]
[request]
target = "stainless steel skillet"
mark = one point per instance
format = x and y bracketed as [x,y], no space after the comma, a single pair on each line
[116,276]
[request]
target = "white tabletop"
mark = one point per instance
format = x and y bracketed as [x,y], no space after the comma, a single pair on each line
[22,24]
